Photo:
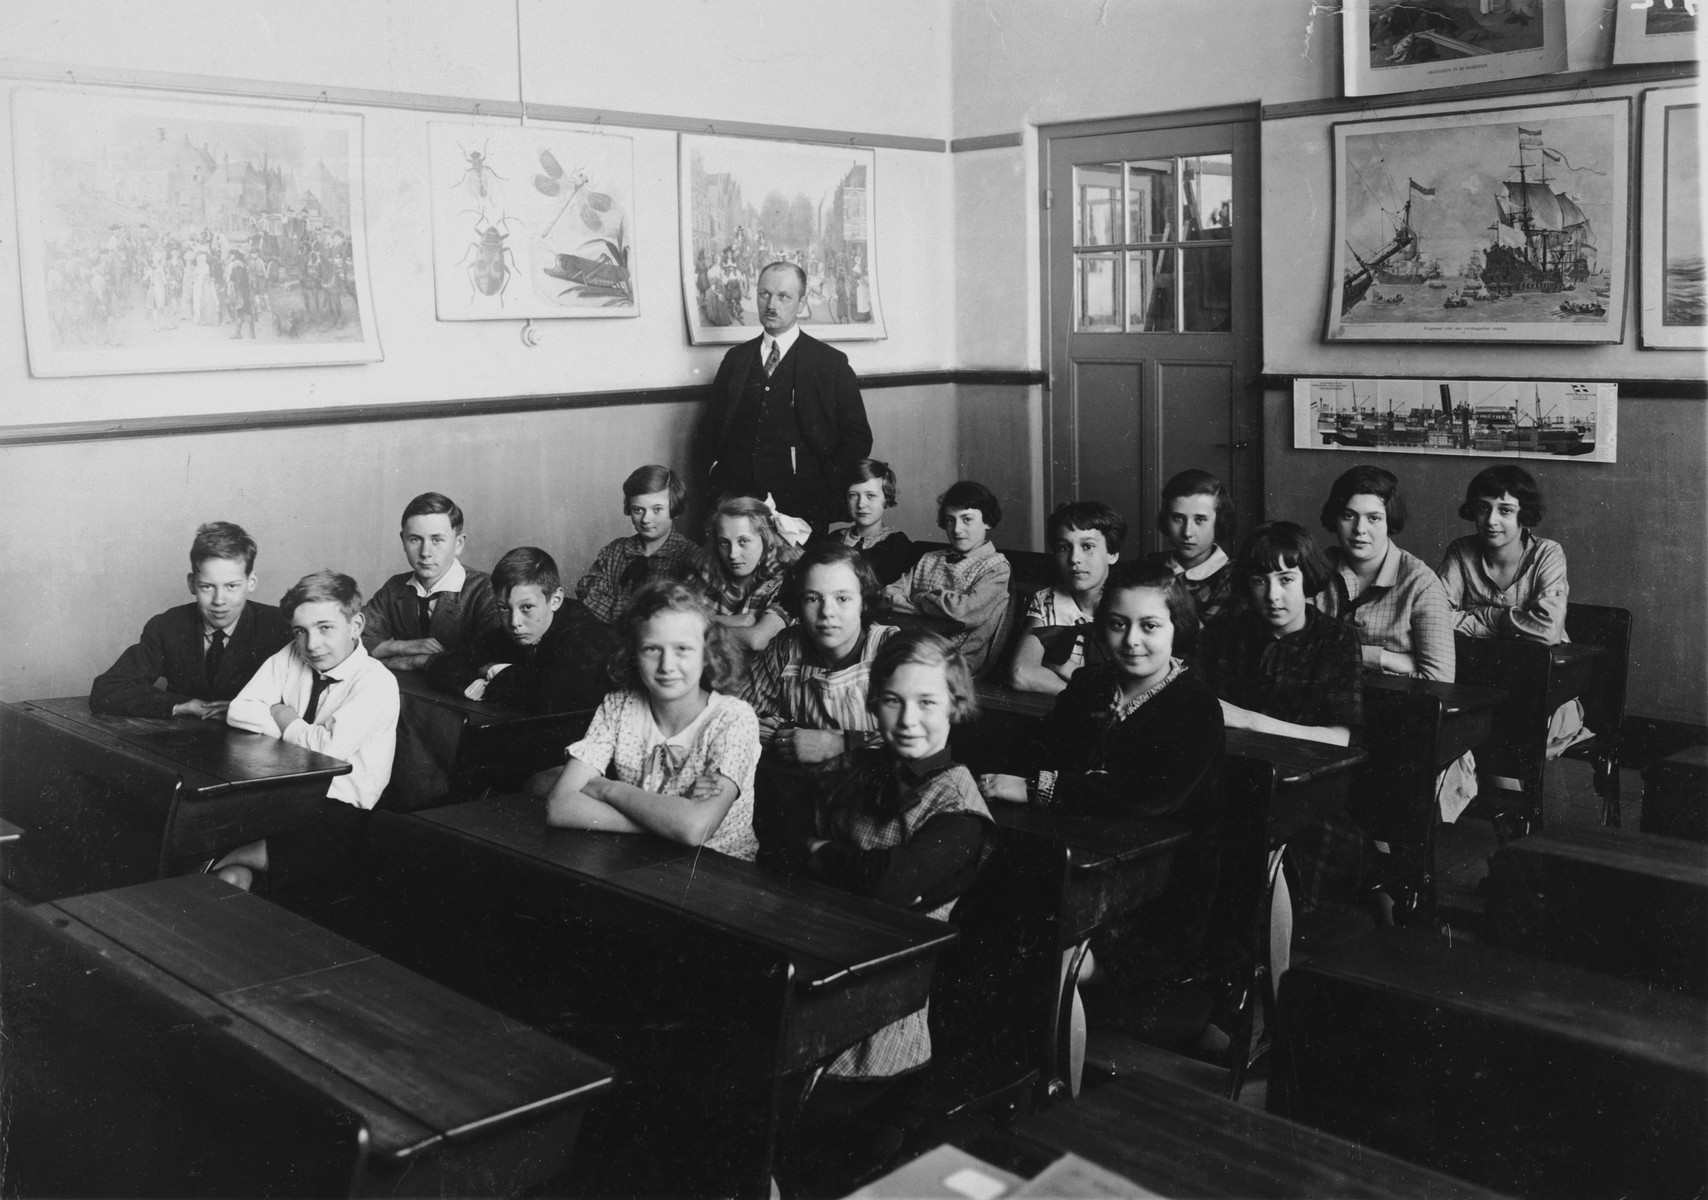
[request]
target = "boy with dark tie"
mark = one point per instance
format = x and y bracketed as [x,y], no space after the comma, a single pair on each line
[205,651]
[438,604]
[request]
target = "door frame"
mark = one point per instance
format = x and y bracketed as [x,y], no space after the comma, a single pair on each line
[1223,114]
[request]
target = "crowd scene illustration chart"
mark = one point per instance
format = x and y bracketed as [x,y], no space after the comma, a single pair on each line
[159,235]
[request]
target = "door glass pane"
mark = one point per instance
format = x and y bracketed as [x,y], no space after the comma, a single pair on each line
[1097,291]
[1207,289]
[1207,189]
[1150,201]
[1150,290]
[1097,205]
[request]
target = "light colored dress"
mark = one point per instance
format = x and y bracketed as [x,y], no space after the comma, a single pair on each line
[1532,606]
[626,744]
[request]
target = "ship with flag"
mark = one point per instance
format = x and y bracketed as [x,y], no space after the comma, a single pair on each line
[1543,242]
[1395,262]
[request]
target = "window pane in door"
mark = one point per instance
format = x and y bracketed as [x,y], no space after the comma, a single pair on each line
[1207,188]
[1207,289]
[1097,205]
[1097,293]
[1150,201]
[1150,291]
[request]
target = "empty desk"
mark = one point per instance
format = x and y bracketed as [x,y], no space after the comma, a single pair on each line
[111,801]
[306,1063]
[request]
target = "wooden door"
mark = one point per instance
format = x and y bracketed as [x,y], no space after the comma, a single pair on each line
[1152,302]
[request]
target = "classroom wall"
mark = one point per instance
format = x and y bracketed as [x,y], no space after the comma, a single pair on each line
[111,521]
[1019,64]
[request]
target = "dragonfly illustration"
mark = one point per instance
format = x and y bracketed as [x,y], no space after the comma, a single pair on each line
[571,187]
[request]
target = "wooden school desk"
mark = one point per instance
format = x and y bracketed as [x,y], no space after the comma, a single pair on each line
[307,1063]
[453,746]
[1629,904]
[111,801]
[706,981]
[1414,728]
[1537,678]
[1178,1141]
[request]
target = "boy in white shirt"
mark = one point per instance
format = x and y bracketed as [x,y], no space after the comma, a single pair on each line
[323,692]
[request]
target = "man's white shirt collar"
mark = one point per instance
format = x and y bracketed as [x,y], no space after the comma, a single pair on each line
[450,581]
[785,342]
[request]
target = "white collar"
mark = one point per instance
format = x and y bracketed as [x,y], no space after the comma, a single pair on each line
[344,670]
[785,342]
[1215,562]
[450,581]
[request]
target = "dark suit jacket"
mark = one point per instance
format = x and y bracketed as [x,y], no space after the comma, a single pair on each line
[829,413]
[565,672]
[171,646]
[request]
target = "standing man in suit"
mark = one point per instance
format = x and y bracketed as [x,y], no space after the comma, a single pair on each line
[786,417]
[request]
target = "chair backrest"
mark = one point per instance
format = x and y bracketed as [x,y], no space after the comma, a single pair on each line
[1610,628]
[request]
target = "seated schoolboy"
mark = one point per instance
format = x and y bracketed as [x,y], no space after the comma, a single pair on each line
[871,492]
[1196,517]
[653,497]
[967,583]
[205,650]
[1138,734]
[534,662]
[670,752]
[326,693]
[745,562]
[902,823]
[1506,582]
[436,605]
[809,685]
[1085,537]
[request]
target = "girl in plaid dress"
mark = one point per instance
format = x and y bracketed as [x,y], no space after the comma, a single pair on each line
[902,823]
[746,560]
[667,753]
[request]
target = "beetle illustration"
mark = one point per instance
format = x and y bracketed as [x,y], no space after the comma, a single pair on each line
[479,166]
[489,273]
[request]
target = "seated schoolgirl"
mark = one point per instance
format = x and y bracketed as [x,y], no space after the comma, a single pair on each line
[968,581]
[1196,518]
[871,492]
[1139,734]
[746,559]
[902,823]
[1085,538]
[809,685]
[1281,666]
[1505,582]
[669,752]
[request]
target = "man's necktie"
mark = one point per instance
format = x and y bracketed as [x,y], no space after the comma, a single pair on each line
[771,360]
[426,607]
[215,654]
[315,691]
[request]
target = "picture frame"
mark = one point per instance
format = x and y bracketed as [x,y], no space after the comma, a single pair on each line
[532,221]
[746,202]
[1672,311]
[1417,257]
[1647,31]
[1465,418]
[148,225]
[1407,45]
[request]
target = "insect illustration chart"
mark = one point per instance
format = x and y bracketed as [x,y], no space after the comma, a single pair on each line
[535,221]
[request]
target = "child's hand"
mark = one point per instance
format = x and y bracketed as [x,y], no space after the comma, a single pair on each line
[595,787]
[205,710]
[1003,787]
[283,716]
[706,787]
[809,746]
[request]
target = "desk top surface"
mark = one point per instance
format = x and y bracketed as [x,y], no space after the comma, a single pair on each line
[1097,841]
[450,1063]
[1296,760]
[1678,860]
[1456,698]
[825,933]
[9,832]
[1198,1144]
[478,714]
[214,756]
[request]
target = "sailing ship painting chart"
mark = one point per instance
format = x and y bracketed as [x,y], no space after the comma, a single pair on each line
[1491,418]
[1504,226]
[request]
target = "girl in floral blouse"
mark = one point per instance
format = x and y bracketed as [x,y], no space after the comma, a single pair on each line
[668,752]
